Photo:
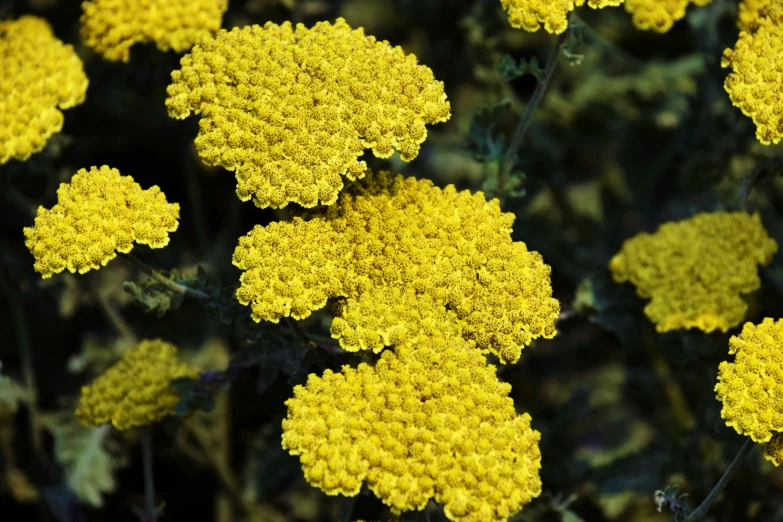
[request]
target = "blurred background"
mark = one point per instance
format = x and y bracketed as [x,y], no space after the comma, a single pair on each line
[634,130]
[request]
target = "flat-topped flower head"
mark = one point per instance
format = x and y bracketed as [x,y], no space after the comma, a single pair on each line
[290,110]
[659,15]
[98,213]
[135,391]
[39,76]
[696,270]
[404,255]
[751,387]
[112,27]
[755,85]
[426,421]
[552,15]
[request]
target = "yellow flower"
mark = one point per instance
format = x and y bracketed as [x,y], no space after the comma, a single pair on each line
[135,391]
[659,15]
[291,109]
[111,27]
[97,213]
[408,258]
[773,450]
[751,388]
[427,421]
[754,85]
[40,76]
[749,11]
[695,270]
[530,15]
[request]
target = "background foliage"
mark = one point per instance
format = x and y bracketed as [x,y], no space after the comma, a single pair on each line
[635,130]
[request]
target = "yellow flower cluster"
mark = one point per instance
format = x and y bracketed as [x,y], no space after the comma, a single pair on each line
[408,258]
[695,270]
[135,391]
[531,15]
[40,75]
[291,109]
[111,27]
[97,213]
[659,15]
[751,388]
[427,421]
[773,450]
[754,85]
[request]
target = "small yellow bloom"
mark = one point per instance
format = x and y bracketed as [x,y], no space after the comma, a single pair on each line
[98,214]
[531,15]
[659,15]
[111,27]
[755,84]
[40,76]
[408,259]
[290,110]
[696,270]
[751,388]
[426,421]
[135,391]
[773,450]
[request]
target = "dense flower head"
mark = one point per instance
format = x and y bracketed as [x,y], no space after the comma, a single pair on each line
[98,213]
[695,270]
[552,15]
[112,27]
[773,450]
[405,256]
[291,109]
[135,391]
[39,76]
[751,387]
[659,15]
[426,421]
[755,85]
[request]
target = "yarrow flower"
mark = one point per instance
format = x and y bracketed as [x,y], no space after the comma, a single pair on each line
[659,15]
[773,450]
[135,391]
[407,258]
[755,83]
[40,76]
[112,27]
[98,214]
[695,270]
[426,421]
[291,109]
[552,15]
[751,387]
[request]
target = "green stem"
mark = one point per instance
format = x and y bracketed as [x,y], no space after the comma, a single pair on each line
[150,512]
[530,109]
[294,327]
[701,511]
[608,45]
[173,285]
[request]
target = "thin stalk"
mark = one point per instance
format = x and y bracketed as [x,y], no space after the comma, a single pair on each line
[173,285]
[701,511]
[150,512]
[530,109]
[294,327]
[608,45]
[346,509]
[111,313]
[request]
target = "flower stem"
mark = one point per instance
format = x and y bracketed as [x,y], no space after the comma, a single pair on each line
[701,511]
[530,109]
[150,513]
[294,326]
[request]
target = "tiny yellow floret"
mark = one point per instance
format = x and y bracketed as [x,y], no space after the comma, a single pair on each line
[751,388]
[773,450]
[98,213]
[112,27]
[408,258]
[135,391]
[755,85]
[39,75]
[696,270]
[290,110]
[659,15]
[552,15]
[426,421]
